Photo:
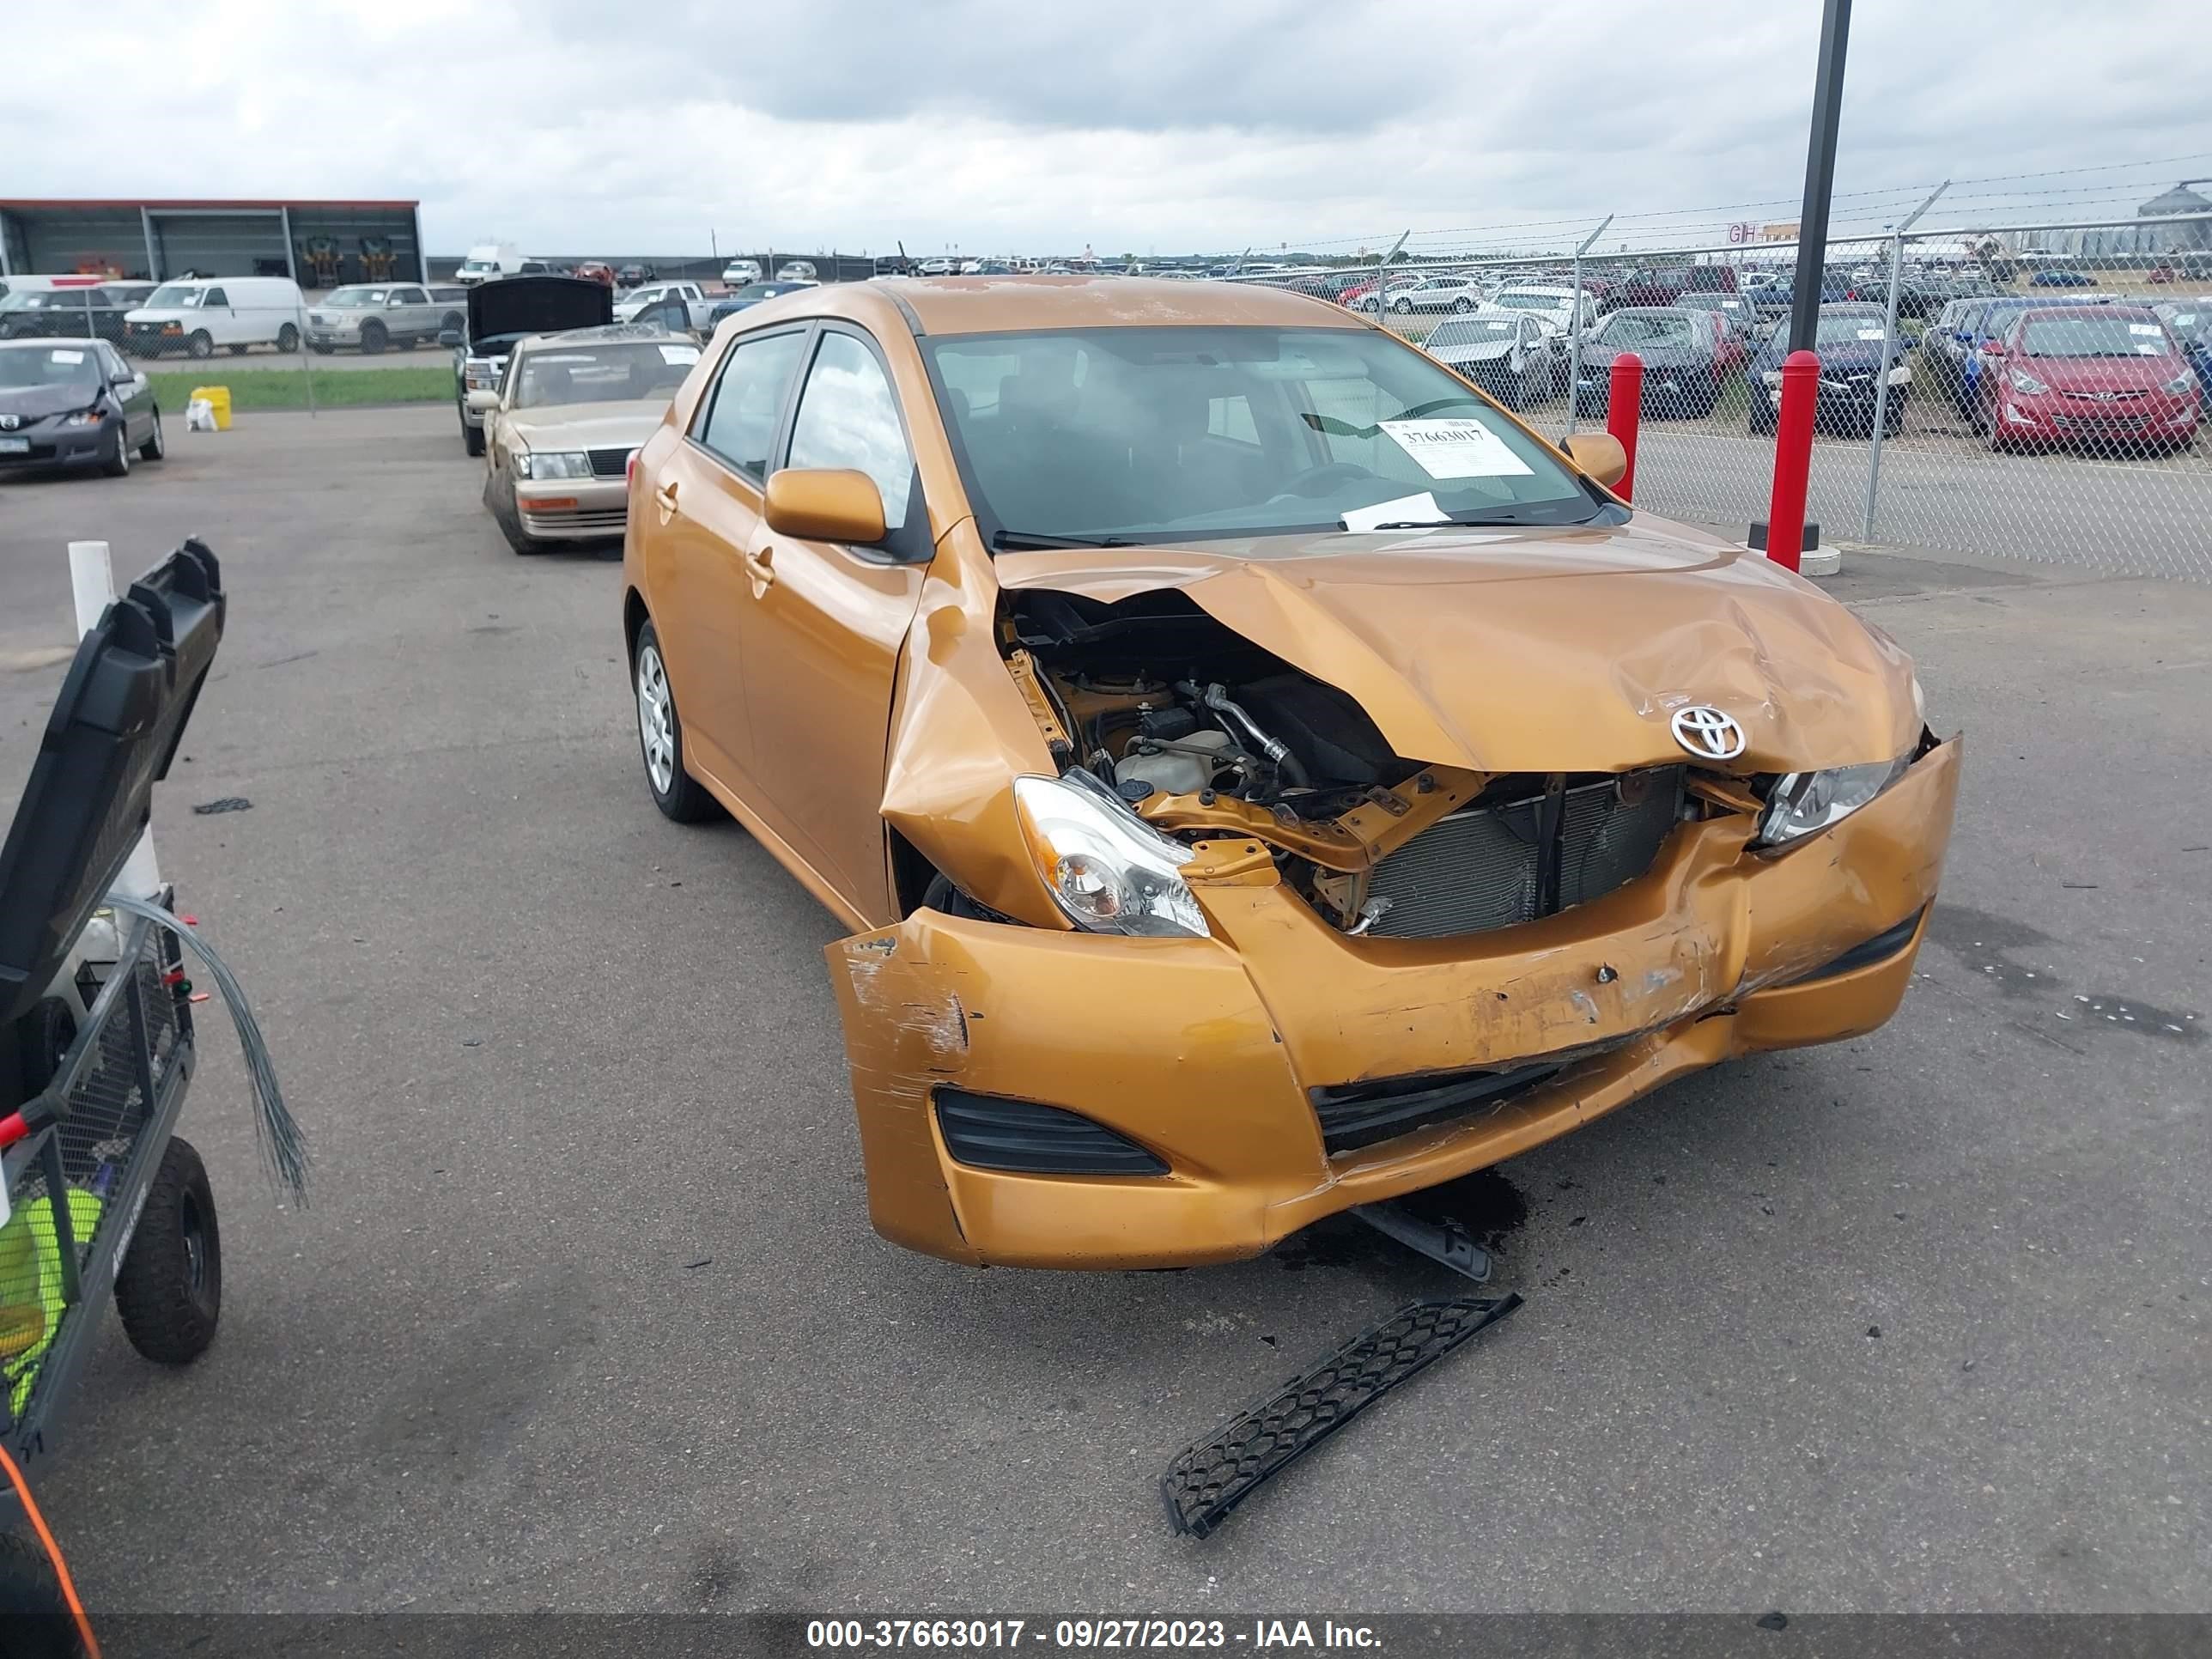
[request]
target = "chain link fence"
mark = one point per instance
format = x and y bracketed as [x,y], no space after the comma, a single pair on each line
[2037,392]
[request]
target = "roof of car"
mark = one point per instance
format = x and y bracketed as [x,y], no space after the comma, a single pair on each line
[1002,305]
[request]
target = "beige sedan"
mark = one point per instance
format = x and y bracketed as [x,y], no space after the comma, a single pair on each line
[570,413]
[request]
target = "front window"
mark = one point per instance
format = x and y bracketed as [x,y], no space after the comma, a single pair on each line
[1526,299]
[624,372]
[849,418]
[1118,434]
[181,295]
[2093,334]
[29,365]
[352,298]
[1632,330]
[66,299]
[1834,331]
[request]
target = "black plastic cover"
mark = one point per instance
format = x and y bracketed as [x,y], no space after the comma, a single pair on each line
[989,1132]
[113,732]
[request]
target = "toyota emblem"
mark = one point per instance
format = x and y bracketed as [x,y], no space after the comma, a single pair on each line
[1707,732]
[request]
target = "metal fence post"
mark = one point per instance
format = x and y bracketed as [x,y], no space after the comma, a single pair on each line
[1881,384]
[1575,325]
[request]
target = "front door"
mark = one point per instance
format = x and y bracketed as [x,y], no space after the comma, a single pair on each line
[706,505]
[824,625]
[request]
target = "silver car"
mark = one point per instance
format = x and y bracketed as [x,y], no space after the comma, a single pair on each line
[570,410]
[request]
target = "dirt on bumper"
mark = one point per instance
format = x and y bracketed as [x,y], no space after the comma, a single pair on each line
[1205,1051]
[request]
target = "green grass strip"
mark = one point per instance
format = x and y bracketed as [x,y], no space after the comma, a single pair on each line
[253,389]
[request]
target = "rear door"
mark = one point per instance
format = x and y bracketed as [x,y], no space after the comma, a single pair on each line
[822,632]
[410,309]
[704,515]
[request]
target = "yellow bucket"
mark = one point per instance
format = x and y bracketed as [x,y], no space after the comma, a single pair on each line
[218,398]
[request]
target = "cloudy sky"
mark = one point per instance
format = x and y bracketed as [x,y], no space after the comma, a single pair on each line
[581,126]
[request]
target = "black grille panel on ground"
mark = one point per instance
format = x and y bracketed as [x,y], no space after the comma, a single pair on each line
[1481,868]
[986,1131]
[609,462]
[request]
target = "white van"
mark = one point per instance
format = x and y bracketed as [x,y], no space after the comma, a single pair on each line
[23,283]
[487,262]
[195,315]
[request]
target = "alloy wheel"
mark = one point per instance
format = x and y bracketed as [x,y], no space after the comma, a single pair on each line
[656,720]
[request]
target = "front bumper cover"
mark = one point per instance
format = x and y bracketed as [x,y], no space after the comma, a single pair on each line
[1206,1051]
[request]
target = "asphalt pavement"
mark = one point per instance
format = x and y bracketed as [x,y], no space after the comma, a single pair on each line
[586,1312]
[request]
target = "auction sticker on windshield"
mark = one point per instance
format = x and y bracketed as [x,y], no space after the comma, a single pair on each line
[1457,449]
[679,354]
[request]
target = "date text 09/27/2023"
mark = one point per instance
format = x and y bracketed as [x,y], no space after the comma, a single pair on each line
[957,1635]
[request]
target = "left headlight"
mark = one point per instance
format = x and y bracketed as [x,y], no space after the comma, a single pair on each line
[1106,869]
[2180,384]
[552,464]
[85,417]
[1805,802]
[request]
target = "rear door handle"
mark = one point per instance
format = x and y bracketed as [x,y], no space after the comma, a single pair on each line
[666,498]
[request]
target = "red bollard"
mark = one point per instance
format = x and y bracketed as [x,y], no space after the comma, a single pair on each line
[1793,458]
[1624,403]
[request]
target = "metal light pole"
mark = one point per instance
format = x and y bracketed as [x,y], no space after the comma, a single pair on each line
[1888,334]
[1575,323]
[1820,173]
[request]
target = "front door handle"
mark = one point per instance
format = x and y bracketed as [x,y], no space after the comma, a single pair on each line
[665,498]
[760,566]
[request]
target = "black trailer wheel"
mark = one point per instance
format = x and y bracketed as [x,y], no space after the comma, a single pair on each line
[33,1610]
[169,1289]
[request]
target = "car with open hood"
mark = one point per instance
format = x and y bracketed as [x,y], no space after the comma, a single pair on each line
[1259,775]
[1684,362]
[570,413]
[2107,378]
[1856,352]
[75,404]
[503,310]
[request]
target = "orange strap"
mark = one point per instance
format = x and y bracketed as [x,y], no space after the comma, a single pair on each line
[53,1554]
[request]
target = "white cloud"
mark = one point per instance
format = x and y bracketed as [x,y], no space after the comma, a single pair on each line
[582,126]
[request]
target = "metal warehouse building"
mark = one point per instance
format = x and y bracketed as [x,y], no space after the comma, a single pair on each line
[318,243]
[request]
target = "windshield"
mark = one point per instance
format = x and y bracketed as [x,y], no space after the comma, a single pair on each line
[1119,435]
[479,264]
[2093,334]
[2189,325]
[182,296]
[356,296]
[28,366]
[1471,331]
[1848,330]
[1630,329]
[1516,299]
[627,372]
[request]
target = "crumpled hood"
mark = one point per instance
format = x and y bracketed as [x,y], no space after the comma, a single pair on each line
[1554,650]
[589,426]
[34,402]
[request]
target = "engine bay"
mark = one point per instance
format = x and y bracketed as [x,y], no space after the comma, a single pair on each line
[1205,736]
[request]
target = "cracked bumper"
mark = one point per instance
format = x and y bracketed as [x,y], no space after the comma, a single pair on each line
[1204,1051]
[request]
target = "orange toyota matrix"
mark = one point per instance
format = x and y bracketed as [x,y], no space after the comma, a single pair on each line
[1262,776]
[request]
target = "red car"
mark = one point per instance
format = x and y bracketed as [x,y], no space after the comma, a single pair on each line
[591,270]
[2109,377]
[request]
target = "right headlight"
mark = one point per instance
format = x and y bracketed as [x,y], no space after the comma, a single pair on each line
[552,464]
[1803,803]
[2026,383]
[1106,869]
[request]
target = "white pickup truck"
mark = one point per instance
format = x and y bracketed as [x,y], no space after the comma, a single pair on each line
[655,299]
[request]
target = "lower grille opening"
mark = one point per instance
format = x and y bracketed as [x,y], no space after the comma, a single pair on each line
[1357,1114]
[989,1132]
[1488,867]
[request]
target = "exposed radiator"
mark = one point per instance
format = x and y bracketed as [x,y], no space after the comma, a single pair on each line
[1482,868]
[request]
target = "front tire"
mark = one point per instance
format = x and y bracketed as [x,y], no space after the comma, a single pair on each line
[288,339]
[472,438]
[153,449]
[117,463]
[1463,305]
[169,1289]
[32,1609]
[660,737]
[373,338]
[202,344]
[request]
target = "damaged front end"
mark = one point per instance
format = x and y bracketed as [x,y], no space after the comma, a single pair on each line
[1282,929]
